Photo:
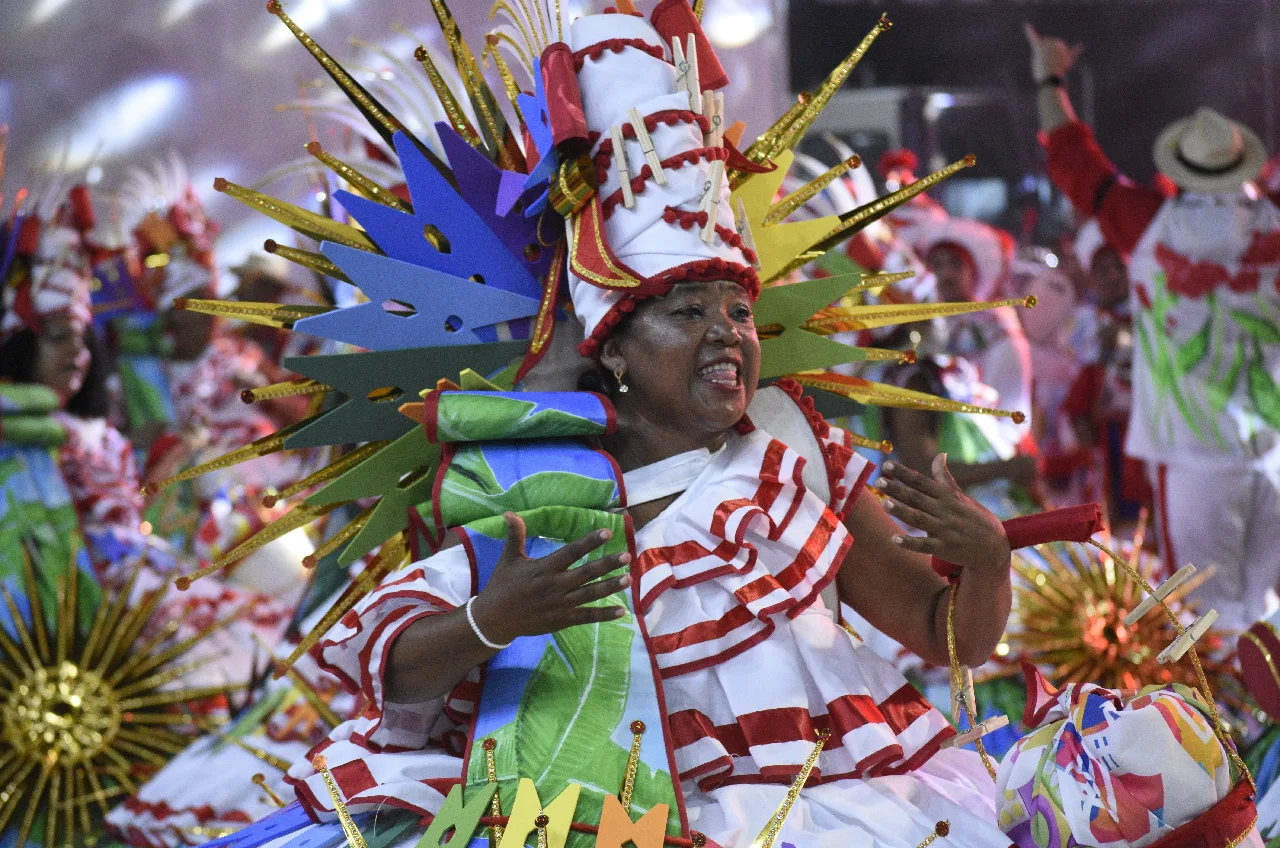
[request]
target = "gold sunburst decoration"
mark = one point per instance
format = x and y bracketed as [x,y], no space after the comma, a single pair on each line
[85,716]
[1069,620]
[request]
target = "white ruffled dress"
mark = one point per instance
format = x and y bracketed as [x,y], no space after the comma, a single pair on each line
[751,660]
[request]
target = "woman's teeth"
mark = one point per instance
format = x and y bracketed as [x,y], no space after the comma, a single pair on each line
[721,373]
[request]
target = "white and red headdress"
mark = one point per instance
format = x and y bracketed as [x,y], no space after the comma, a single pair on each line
[58,277]
[661,214]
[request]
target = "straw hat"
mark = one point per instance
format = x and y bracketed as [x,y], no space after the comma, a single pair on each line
[1209,152]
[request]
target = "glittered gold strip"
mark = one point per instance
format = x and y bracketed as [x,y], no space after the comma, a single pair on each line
[491,776]
[289,388]
[359,181]
[491,51]
[452,108]
[374,112]
[851,222]
[784,207]
[940,831]
[482,99]
[388,559]
[39,626]
[310,224]
[881,394]
[299,516]
[253,450]
[354,838]
[530,50]
[758,152]
[260,781]
[633,765]
[883,315]
[310,260]
[771,830]
[275,315]
[178,696]
[337,540]
[338,467]
[261,753]
[822,95]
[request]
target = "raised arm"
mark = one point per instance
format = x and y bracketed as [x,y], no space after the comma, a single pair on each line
[1076,164]
[1051,59]
[887,577]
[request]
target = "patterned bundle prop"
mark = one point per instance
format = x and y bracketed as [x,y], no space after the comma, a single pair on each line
[1104,769]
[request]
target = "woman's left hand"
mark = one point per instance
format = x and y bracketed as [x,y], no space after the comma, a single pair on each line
[960,530]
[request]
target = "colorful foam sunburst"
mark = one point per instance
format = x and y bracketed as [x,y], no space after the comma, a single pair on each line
[1069,621]
[87,714]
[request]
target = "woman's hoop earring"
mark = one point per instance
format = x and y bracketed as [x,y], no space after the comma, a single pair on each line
[617,375]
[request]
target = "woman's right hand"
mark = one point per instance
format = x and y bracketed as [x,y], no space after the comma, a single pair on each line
[529,597]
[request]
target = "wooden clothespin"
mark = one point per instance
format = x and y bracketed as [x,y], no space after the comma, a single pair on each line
[711,200]
[743,225]
[963,695]
[1163,591]
[976,732]
[713,108]
[1183,643]
[683,68]
[646,144]
[692,80]
[624,169]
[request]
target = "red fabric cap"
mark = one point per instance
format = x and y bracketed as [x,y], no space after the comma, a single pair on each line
[82,215]
[675,19]
[895,160]
[564,100]
[28,235]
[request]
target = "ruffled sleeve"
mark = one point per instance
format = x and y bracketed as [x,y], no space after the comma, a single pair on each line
[846,470]
[356,650]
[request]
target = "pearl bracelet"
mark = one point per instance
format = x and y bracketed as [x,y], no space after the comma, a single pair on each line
[475,628]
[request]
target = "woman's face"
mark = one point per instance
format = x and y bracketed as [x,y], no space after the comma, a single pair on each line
[957,278]
[1110,277]
[62,358]
[691,359]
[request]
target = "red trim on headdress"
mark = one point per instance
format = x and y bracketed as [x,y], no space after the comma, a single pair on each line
[564,99]
[738,162]
[593,260]
[674,163]
[671,117]
[616,45]
[699,270]
[675,19]
[687,219]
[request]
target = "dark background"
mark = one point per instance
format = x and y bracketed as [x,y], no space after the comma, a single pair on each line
[1146,63]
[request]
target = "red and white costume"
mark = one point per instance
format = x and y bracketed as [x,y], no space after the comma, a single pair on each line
[1198,261]
[733,581]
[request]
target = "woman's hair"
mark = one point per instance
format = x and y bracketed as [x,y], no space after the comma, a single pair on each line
[18,364]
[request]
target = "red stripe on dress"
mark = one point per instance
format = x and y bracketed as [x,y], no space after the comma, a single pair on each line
[819,539]
[704,631]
